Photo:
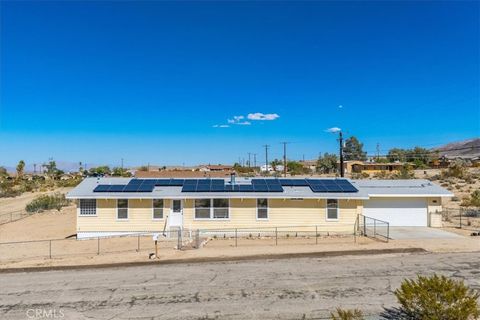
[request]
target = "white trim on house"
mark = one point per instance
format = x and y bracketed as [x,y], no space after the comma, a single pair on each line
[116,211]
[163,210]
[326,211]
[256,210]
[212,208]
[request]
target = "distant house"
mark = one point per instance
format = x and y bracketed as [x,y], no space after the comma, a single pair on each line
[309,164]
[119,206]
[372,167]
[216,168]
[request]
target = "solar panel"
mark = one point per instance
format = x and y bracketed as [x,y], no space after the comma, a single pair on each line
[275,188]
[146,188]
[228,188]
[162,182]
[218,181]
[259,181]
[293,182]
[189,188]
[131,188]
[203,187]
[217,188]
[318,188]
[272,181]
[102,188]
[190,182]
[260,188]
[116,188]
[245,188]
[135,181]
[149,181]
[177,182]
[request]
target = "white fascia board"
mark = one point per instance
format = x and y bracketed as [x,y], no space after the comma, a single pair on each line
[410,195]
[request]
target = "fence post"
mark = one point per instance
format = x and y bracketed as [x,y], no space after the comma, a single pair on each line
[364,226]
[374,228]
[197,238]
[179,239]
[98,246]
[460,217]
[316,234]
[388,231]
[50,249]
[236,237]
[138,243]
[276,236]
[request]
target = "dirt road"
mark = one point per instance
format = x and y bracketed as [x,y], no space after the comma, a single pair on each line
[276,289]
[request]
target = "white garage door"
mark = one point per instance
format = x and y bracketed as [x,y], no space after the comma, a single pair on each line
[398,212]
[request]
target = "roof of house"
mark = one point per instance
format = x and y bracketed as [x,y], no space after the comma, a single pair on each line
[366,189]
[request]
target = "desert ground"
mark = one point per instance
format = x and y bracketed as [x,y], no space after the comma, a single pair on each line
[302,288]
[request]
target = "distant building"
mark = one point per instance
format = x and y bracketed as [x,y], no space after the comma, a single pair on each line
[181,174]
[371,167]
[216,167]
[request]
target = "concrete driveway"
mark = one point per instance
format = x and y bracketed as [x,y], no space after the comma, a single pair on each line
[405,233]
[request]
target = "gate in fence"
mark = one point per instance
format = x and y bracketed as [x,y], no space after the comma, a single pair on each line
[373,228]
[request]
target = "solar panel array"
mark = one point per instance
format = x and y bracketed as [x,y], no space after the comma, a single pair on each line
[218,185]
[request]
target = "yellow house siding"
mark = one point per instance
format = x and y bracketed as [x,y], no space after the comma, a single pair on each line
[140,217]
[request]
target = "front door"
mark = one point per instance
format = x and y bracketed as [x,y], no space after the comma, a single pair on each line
[176,214]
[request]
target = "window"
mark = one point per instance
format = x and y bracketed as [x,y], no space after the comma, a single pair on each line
[88,207]
[157,208]
[122,209]
[211,209]
[262,209]
[220,208]
[202,208]
[332,209]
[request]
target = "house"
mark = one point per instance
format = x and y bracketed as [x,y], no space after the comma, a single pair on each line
[372,167]
[116,206]
[216,167]
[310,165]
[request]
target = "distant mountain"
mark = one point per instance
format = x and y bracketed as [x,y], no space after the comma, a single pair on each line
[466,149]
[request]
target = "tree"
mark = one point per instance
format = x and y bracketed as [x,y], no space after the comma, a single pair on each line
[295,167]
[120,172]
[3,172]
[473,200]
[327,163]
[100,171]
[405,172]
[397,154]
[436,298]
[20,168]
[354,150]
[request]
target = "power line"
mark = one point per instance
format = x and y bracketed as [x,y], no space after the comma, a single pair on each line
[266,146]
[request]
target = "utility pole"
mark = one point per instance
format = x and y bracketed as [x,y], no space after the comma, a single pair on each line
[254,160]
[284,158]
[341,153]
[34,168]
[266,157]
[122,164]
[378,151]
[249,159]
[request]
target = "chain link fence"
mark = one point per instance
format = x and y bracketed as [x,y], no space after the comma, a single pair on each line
[13,216]
[373,228]
[463,218]
[133,242]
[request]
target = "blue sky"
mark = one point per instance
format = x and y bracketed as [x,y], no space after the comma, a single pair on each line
[158,81]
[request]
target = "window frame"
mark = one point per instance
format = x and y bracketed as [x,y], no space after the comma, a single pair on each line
[256,211]
[163,209]
[80,208]
[337,209]
[211,210]
[128,213]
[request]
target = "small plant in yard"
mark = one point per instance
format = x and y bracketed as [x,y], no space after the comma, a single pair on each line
[47,202]
[342,314]
[437,298]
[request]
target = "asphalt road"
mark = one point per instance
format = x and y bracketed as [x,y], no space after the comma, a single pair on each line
[264,289]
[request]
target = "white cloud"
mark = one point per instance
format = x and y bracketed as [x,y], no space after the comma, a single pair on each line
[333,130]
[221,126]
[262,116]
[238,120]
[340,106]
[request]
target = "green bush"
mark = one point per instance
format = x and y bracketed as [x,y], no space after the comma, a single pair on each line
[46,202]
[341,314]
[437,298]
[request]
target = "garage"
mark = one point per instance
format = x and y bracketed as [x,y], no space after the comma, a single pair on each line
[401,212]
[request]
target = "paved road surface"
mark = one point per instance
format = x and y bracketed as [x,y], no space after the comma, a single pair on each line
[264,289]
